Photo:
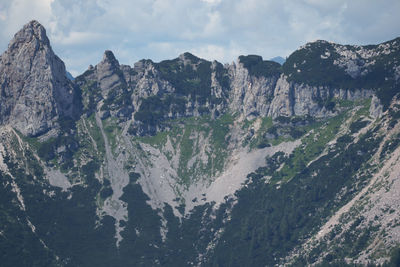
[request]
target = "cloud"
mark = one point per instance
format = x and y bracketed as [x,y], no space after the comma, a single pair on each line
[212,2]
[78,38]
[16,13]
[218,52]
[214,29]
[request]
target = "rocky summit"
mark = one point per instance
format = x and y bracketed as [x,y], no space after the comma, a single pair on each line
[35,92]
[188,162]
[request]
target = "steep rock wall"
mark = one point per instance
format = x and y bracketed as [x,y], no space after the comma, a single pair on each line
[35,91]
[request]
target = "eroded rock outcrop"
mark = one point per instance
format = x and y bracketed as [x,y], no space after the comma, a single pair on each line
[35,92]
[293,99]
[250,95]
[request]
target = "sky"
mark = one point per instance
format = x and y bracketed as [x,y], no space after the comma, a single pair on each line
[81,30]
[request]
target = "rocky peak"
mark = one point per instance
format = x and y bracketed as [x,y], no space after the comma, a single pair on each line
[107,84]
[188,59]
[31,32]
[147,81]
[144,67]
[35,92]
[108,74]
[109,59]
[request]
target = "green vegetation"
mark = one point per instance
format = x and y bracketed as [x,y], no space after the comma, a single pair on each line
[394,258]
[155,109]
[222,76]
[270,219]
[117,99]
[220,129]
[91,94]
[57,150]
[65,223]
[95,133]
[112,131]
[18,245]
[193,80]
[306,65]
[313,144]
[390,146]
[281,205]
[275,132]
[358,125]
[259,67]
[159,139]
[106,192]
[185,134]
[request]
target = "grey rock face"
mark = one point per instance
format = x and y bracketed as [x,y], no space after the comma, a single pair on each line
[281,104]
[376,108]
[107,84]
[35,91]
[147,82]
[250,96]
[274,96]
[109,74]
[292,99]
[112,79]
[247,95]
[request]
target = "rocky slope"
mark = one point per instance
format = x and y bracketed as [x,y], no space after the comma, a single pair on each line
[188,162]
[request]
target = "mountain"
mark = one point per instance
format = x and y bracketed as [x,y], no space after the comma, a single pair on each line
[188,162]
[278,59]
[69,76]
[35,92]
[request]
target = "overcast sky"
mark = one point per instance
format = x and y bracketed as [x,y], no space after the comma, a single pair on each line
[80,30]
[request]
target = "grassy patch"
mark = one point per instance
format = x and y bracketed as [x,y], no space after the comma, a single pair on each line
[112,130]
[312,146]
[157,140]
[185,135]
[95,132]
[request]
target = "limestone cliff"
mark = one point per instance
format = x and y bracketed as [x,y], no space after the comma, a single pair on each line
[250,95]
[35,92]
[188,162]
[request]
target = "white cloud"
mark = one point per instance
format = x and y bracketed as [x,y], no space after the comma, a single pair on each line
[78,38]
[213,29]
[19,12]
[212,2]
[223,54]
[214,25]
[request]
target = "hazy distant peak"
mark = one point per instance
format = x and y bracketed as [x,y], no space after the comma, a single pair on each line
[278,59]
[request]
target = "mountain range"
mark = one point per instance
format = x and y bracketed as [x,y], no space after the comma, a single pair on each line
[189,162]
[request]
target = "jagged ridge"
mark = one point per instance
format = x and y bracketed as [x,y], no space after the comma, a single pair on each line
[218,162]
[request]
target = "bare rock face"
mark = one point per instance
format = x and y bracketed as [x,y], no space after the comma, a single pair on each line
[281,104]
[35,92]
[147,82]
[250,95]
[106,86]
[109,75]
[376,109]
[274,95]
[294,99]
[106,75]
